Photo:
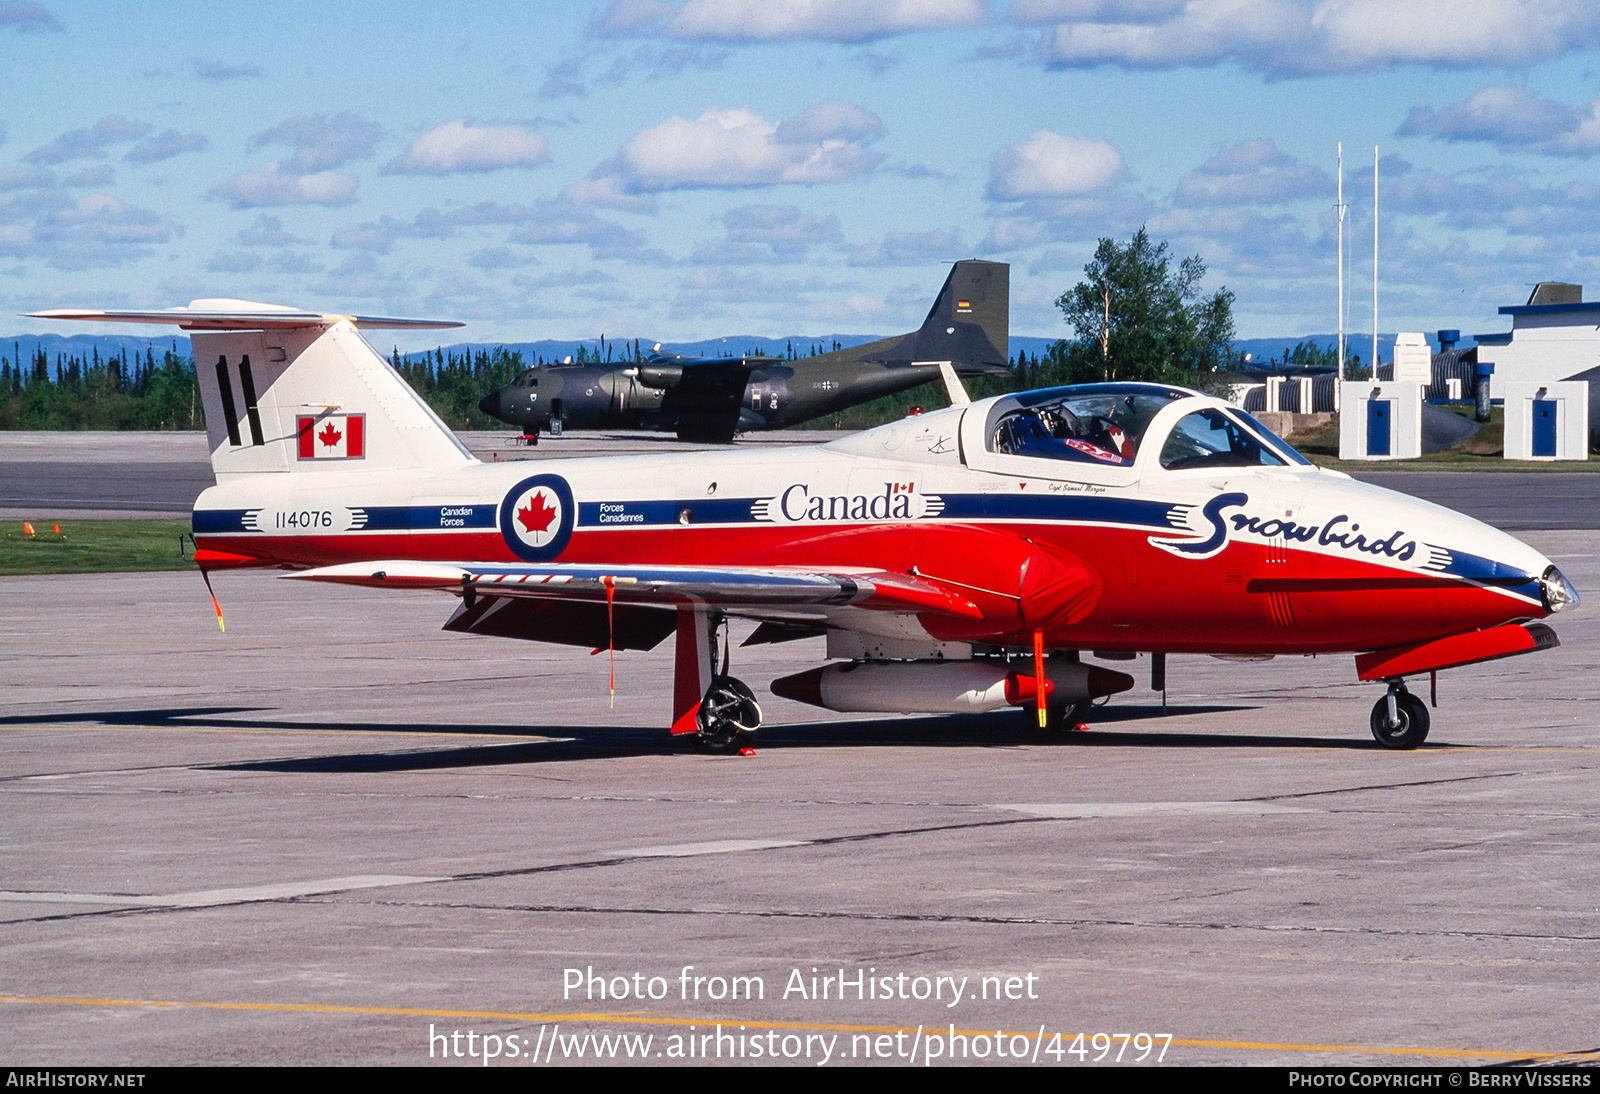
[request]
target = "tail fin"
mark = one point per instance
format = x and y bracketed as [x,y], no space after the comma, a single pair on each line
[969,324]
[286,390]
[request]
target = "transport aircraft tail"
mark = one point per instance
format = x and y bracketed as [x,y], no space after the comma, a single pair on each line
[969,324]
[286,390]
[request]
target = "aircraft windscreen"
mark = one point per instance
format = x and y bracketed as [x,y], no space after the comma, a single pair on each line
[1100,427]
[1210,438]
[1272,440]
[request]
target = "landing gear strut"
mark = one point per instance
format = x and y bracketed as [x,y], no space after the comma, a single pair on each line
[729,716]
[720,712]
[1399,719]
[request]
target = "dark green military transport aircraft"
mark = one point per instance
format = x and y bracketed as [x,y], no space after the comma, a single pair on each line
[712,398]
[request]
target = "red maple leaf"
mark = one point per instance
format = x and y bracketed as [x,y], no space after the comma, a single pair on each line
[537,516]
[329,435]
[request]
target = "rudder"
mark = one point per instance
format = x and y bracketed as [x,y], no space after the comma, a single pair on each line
[969,324]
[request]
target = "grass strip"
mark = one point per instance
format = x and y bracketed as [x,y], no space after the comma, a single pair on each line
[91,546]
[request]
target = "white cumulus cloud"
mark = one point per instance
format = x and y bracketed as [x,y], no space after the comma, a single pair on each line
[273,183]
[1305,37]
[908,249]
[29,18]
[467,146]
[1049,165]
[1254,172]
[737,147]
[321,142]
[784,228]
[1202,32]
[94,231]
[164,146]
[788,20]
[1511,117]
[1107,11]
[89,143]
[1455,32]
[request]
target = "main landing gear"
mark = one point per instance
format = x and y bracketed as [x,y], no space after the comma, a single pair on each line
[1065,718]
[719,712]
[1399,719]
[729,716]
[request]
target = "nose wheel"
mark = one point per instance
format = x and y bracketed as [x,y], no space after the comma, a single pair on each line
[1399,719]
[729,716]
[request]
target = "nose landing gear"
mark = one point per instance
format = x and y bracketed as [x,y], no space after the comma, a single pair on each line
[1399,719]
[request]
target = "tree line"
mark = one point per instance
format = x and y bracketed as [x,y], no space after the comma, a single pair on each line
[124,391]
[141,391]
[1137,315]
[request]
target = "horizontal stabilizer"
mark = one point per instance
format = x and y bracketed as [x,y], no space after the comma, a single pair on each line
[403,574]
[302,392]
[224,314]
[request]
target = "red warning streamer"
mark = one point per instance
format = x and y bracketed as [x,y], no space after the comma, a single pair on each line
[1038,674]
[611,635]
[207,579]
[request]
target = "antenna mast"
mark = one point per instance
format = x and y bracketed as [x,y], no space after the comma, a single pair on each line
[1340,209]
[1374,263]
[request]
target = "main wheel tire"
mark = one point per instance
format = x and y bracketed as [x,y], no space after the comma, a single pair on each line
[729,716]
[1412,714]
[1064,719]
[705,436]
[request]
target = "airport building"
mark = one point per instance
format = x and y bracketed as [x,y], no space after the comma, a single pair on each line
[1554,336]
[1547,369]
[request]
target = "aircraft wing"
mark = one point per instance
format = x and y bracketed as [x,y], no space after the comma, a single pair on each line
[727,587]
[661,358]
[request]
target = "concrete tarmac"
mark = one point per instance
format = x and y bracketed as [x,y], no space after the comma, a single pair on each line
[337,835]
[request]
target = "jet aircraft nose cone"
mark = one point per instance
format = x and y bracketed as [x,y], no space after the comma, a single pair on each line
[490,403]
[1557,591]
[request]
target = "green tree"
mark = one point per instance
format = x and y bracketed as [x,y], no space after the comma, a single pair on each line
[1136,318]
[1307,352]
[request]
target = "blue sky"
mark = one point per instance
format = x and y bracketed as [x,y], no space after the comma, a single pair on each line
[678,169]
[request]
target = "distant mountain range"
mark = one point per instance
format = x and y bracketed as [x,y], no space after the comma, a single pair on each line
[85,345]
[1263,350]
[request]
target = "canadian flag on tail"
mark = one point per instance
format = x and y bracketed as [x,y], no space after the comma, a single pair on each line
[332,436]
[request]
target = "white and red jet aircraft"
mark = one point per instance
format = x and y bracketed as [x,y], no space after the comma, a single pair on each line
[956,561]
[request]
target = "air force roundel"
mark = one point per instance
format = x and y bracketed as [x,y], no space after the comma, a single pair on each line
[536,518]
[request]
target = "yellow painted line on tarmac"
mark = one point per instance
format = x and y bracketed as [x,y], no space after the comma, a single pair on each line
[701,1022]
[1379,1050]
[218,643]
[404,734]
[221,643]
[1510,748]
